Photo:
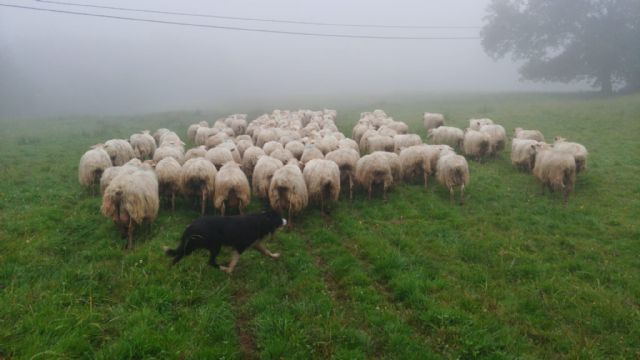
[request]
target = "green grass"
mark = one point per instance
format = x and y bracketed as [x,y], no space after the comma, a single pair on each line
[510,274]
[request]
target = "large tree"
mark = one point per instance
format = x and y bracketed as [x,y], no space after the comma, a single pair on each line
[568,40]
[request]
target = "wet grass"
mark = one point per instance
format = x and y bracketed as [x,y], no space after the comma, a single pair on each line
[510,274]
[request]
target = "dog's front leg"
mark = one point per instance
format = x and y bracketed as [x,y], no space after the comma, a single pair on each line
[234,260]
[265,251]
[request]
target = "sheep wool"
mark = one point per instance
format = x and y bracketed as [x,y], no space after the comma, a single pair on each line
[198,178]
[432,120]
[288,191]
[347,160]
[168,171]
[452,171]
[143,144]
[374,169]
[231,188]
[250,159]
[523,153]
[536,135]
[323,181]
[447,135]
[262,174]
[120,151]
[92,165]
[476,144]
[555,170]
[578,151]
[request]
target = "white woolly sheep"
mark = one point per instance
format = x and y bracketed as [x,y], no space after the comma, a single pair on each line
[282,155]
[374,169]
[170,137]
[92,164]
[404,141]
[238,125]
[195,152]
[452,171]
[358,131]
[399,127]
[215,140]
[131,199]
[250,158]
[198,178]
[229,144]
[310,153]
[536,135]
[578,151]
[288,191]
[379,143]
[432,120]
[232,189]
[327,144]
[266,135]
[112,172]
[144,145]
[219,156]
[169,149]
[159,133]
[523,153]
[168,171]
[323,181]
[349,144]
[347,160]
[296,148]
[262,174]
[120,151]
[555,170]
[497,137]
[447,135]
[476,144]
[203,133]
[476,124]
[272,146]
[242,145]
[416,163]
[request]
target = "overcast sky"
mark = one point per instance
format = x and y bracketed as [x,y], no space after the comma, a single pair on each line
[53,64]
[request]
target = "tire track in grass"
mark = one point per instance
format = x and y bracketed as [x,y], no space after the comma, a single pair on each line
[244,332]
[370,306]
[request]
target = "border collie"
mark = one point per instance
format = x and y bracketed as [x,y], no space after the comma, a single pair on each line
[239,232]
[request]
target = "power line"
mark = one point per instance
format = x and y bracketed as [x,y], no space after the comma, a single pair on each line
[238,28]
[257,19]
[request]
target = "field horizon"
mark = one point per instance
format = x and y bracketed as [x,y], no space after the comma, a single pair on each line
[511,274]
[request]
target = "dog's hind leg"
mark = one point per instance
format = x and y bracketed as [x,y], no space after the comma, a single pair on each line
[265,251]
[213,254]
[232,264]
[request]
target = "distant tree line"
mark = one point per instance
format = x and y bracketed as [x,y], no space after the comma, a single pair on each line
[569,40]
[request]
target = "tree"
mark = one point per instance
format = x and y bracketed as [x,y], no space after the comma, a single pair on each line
[568,40]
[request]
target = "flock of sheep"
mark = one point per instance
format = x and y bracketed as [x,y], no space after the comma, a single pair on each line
[290,158]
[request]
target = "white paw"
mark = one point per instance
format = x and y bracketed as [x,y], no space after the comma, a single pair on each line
[275,255]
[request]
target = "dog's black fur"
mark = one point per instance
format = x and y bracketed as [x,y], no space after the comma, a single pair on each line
[239,232]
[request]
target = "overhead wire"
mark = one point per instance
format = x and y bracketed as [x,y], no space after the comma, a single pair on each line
[259,30]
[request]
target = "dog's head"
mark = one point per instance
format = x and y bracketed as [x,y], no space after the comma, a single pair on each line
[274,218]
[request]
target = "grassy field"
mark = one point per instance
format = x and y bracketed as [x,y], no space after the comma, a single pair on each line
[512,274]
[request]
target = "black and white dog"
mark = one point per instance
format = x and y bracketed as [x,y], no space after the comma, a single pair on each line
[239,232]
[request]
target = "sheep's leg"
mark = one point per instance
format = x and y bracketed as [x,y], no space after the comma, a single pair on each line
[350,188]
[426,179]
[462,195]
[234,260]
[370,186]
[240,207]
[451,195]
[203,202]
[264,251]
[384,192]
[322,203]
[130,233]
[290,223]
[223,208]
[173,200]
[543,188]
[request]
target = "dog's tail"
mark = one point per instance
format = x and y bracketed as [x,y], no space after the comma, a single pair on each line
[169,251]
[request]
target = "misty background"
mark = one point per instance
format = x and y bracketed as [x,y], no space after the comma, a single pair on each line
[60,64]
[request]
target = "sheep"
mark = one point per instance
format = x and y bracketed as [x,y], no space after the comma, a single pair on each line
[169,149]
[159,133]
[387,131]
[379,143]
[404,141]
[362,143]
[168,171]
[323,181]
[447,135]
[555,170]
[399,127]
[282,155]
[131,199]
[288,191]
[296,148]
[374,169]
[120,151]
[198,178]
[349,143]
[242,145]
[144,145]
[476,124]
[244,137]
[262,174]
[215,140]
[358,131]
[229,144]
[476,144]
[238,125]
[191,132]
[310,152]
[250,158]
[432,120]
[219,156]
[112,172]
[536,135]
[92,164]
[327,144]
[497,137]
[195,152]
[578,151]
[346,159]
[231,188]
[272,146]
[523,153]
[452,170]
[203,133]
[169,137]
[266,135]
[415,162]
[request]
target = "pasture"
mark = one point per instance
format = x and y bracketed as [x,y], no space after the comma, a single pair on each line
[511,274]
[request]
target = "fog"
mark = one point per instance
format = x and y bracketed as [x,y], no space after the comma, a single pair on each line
[60,64]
